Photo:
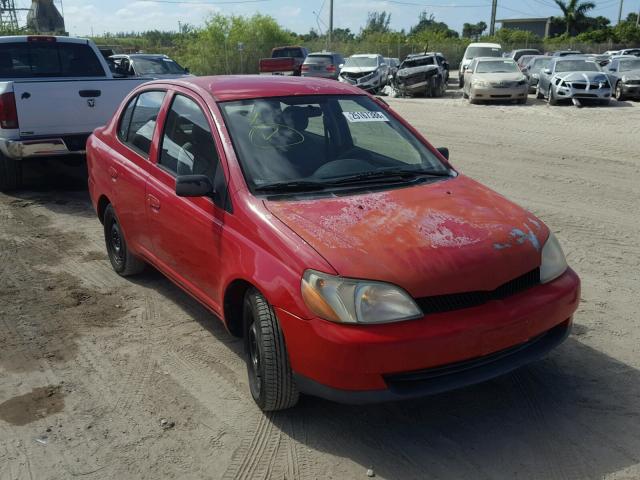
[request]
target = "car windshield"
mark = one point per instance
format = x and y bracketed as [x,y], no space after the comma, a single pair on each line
[473,52]
[318,59]
[418,62]
[367,62]
[576,66]
[287,53]
[540,63]
[316,141]
[497,66]
[156,65]
[627,65]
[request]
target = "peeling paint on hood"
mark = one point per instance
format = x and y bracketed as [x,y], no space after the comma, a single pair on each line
[432,239]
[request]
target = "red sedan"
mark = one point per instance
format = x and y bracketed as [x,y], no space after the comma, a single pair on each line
[356,262]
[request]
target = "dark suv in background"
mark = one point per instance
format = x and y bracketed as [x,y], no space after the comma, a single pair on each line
[322,64]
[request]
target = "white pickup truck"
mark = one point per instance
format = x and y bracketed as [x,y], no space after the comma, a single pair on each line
[54,91]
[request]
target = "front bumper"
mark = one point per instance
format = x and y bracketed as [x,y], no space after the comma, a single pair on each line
[365,83]
[42,147]
[631,89]
[357,363]
[498,93]
[570,92]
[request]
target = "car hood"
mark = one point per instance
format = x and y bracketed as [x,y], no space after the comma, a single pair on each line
[444,237]
[412,71]
[499,77]
[581,76]
[358,69]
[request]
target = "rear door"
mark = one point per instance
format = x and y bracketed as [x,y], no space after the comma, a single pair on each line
[60,87]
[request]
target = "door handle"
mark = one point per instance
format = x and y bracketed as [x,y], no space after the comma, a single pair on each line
[153,202]
[89,93]
[113,172]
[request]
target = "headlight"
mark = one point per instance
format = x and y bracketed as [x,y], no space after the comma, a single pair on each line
[479,83]
[554,262]
[346,300]
[522,82]
[535,75]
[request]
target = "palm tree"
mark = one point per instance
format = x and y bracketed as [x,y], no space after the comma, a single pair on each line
[573,11]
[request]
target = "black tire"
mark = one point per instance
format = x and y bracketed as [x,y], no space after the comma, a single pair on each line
[552,98]
[270,377]
[461,82]
[539,94]
[522,101]
[122,260]
[10,174]
[465,95]
[619,93]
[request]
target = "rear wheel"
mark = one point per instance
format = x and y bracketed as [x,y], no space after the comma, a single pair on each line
[122,260]
[270,377]
[619,93]
[10,174]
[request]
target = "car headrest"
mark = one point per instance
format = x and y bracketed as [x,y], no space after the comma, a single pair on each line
[296,118]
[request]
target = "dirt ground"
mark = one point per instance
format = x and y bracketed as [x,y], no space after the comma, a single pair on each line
[102,377]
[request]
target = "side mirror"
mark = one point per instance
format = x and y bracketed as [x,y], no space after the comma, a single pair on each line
[186,70]
[444,151]
[193,186]
[547,71]
[340,66]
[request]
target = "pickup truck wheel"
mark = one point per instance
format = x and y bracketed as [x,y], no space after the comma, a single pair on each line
[10,174]
[122,260]
[270,377]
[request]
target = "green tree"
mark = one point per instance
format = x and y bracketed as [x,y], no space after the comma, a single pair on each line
[427,23]
[573,11]
[377,22]
[473,30]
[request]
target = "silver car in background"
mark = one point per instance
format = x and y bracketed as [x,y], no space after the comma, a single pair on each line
[488,78]
[532,69]
[322,64]
[574,79]
[624,75]
[367,71]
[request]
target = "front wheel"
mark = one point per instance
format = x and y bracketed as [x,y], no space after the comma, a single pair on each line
[619,92]
[270,377]
[539,94]
[10,174]
[121,258]
[552,98]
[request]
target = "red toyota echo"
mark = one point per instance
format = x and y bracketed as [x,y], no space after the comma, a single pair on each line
[355,261]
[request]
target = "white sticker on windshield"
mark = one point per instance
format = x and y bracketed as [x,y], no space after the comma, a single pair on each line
[354,117]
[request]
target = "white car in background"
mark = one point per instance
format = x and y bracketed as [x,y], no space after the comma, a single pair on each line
[475,50]
[367,71]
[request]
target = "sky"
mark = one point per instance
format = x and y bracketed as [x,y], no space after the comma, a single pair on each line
[86,17]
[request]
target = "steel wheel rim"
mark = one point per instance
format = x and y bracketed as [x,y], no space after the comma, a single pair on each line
[116,244]
[254,357]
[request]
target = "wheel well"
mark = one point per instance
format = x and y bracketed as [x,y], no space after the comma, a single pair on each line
[102,206]
[233,305]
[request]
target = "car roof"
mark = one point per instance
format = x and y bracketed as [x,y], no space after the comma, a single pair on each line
[25,38]
[225,88]
[486,59]
[323,53]
[369,55]
[140,55]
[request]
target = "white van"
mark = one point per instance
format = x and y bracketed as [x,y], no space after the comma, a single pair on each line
[477,50]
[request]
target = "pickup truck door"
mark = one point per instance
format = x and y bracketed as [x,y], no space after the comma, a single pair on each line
[187,232]
[65,107]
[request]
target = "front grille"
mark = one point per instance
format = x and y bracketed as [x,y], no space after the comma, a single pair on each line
[458,301]
[504,84]
[356,76]
[579,86]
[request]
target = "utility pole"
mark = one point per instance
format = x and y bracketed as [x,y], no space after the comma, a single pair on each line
[620,11]
[330,21]
[492,25]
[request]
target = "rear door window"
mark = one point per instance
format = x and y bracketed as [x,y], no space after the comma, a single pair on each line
[138,121]
[48,59]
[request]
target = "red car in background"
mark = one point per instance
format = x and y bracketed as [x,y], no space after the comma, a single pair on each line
[356,262]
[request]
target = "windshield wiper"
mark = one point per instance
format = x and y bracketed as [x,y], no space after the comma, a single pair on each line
[387,174]
[292,186]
